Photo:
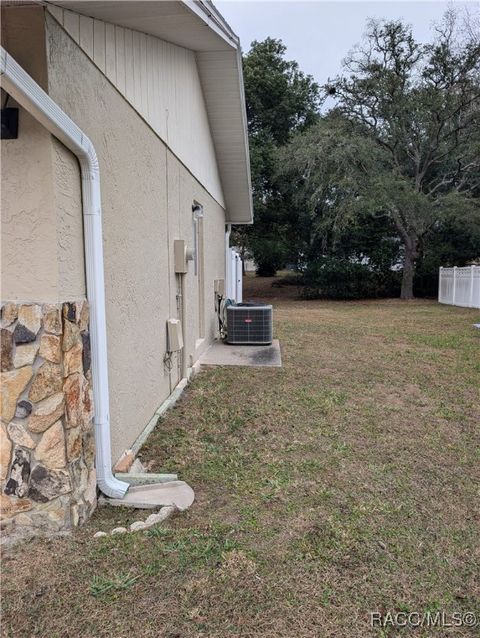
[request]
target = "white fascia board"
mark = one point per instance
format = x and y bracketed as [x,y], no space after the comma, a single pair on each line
[213,19]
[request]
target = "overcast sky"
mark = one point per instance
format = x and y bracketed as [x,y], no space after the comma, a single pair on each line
[319,34]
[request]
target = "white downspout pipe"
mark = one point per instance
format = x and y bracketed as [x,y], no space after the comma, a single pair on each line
[28,94]
[228,291]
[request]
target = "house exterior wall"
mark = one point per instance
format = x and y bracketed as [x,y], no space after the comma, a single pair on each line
[28,219]
[160,80]
[67,204]
[42,247]
[46,466]
[147,197]
[47,478]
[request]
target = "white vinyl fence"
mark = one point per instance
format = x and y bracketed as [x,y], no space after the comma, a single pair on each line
[460,286]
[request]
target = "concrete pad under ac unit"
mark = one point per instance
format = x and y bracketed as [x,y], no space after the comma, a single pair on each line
[221,354]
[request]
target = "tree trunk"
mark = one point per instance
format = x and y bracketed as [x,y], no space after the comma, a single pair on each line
[408,270]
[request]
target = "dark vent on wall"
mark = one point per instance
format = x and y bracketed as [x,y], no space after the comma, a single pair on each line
[9,123]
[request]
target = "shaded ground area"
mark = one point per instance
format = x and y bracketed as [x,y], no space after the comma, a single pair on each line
[343,483]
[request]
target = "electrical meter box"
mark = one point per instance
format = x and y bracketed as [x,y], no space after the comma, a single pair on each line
[174,335]
[180,256]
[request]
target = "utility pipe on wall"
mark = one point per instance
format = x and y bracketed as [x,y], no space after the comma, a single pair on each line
[183,319]
[228,286]
[28,94]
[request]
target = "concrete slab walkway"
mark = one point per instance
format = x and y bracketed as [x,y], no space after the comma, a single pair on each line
[222,354]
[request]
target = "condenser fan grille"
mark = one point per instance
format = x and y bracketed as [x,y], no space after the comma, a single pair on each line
[249,324]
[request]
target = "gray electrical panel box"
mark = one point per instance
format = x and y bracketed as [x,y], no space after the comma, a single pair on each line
[174,335]
[180,256]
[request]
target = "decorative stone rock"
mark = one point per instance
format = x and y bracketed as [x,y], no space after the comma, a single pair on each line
[22,334]
[86,354]
[30,316]
[90,494]
[125,461]
[56,516]
[25,354]
[46,413]
[9,314]
[11,506]
[20,436]
[68,311]
[73,391]
[74,443]
[160,516]
[5,451]
[71,335]
[23,520]
[23,409]
[89,448]
[118,530]
[100,534]
[29,322]
[50,348]
[39,491]
[74,515]
[48,484]
[72,310]
[45,518]
[19,474]
[84,512]
[84,315]
[52,319]
[72,361]
[87,404]
[7,524]
[51,449]
[79,474]
[47,381]
[6,348]
[137,526]
[13,383]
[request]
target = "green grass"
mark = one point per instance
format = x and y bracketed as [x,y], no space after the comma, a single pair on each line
[101,585]
[343,483]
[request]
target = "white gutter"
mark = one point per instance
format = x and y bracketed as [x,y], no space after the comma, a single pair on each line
[24,90]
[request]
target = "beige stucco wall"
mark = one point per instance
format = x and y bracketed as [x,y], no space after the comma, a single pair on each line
[28,218]
[42,247]
[160,80]
[147,195]
[67,204]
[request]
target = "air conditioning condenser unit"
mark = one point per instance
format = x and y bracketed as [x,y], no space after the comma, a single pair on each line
[249,324]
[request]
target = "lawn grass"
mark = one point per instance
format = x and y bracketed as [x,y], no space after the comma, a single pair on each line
[343,483]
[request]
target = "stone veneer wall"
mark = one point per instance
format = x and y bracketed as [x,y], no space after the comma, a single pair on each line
[47,472]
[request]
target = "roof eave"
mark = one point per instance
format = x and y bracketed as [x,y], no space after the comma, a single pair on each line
[206,10]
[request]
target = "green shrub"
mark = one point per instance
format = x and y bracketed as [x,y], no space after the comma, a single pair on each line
[334,278]
[269,254]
